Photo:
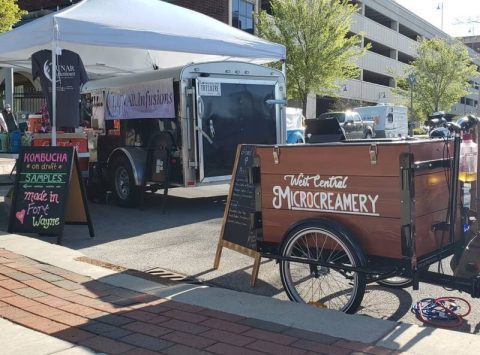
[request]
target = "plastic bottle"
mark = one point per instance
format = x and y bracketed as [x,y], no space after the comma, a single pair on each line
[468,159]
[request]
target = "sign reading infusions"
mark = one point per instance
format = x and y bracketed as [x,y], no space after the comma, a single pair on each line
[150,100]
[46,178]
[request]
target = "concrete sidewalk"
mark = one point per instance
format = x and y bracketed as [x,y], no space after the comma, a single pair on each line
[74,307]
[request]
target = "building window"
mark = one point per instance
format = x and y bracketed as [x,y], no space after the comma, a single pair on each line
[242,15]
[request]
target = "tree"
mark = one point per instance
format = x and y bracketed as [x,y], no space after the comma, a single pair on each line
[320,49]
[442,70]
[10,14]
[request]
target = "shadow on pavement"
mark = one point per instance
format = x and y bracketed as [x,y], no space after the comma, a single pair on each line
[400,302]
[113,223]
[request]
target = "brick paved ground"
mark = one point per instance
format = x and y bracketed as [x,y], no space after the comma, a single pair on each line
[115,320]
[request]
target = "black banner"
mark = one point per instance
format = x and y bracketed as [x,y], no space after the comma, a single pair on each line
[70,74]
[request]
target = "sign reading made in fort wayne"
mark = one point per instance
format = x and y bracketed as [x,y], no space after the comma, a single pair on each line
[48,192]
[238,228]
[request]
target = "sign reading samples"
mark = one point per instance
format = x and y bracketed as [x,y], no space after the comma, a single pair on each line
[149,100]
[48,192]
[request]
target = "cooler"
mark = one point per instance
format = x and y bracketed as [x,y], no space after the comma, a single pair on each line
[77,140]
[34,123]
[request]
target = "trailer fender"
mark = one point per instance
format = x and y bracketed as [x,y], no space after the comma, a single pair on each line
[137,158]
[368,131]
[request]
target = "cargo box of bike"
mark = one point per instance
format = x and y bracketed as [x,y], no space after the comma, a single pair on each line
[338,216]
[357,185]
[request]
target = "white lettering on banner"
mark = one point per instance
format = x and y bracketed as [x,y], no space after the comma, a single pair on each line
[149,100]
[322,201]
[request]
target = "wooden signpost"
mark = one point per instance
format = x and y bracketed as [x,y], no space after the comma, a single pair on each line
[239,232]
[48,192]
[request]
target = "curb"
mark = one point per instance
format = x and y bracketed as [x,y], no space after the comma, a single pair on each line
[22,340]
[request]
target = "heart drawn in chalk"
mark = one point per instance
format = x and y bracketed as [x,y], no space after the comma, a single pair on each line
[20,215]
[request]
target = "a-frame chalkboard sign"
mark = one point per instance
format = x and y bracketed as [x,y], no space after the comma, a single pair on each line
[48,192]
[239,228]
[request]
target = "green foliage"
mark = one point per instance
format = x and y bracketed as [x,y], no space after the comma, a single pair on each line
[419,131]
[10,14]
[442,70]
[314,32]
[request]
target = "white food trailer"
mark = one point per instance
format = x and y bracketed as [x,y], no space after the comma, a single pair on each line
[192,135]
[390,120]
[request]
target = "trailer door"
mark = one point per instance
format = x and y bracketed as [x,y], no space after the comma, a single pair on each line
[232,112]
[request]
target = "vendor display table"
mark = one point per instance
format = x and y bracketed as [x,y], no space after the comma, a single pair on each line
[8,155]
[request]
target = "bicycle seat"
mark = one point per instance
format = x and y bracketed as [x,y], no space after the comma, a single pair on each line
[435,122]
[438,114]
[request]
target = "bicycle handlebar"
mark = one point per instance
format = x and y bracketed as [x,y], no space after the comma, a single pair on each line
[464,124]
[468,122]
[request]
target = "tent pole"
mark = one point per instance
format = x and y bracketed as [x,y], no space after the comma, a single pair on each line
[54,87]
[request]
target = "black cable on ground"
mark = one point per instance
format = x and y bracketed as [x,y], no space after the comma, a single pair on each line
[444,312]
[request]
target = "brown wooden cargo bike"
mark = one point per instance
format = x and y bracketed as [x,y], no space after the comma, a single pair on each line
[338,216]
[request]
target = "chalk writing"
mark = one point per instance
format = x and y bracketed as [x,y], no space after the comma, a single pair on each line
[43,175]
[238,223]
[45,157]
[32,196]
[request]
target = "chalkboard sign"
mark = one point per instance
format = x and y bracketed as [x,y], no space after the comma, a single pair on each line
[46,178]
[239,230]
[239,219]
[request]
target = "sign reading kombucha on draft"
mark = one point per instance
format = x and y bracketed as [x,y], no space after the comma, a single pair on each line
[318,193]
[43,178]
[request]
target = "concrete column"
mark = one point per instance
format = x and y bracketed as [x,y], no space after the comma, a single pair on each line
[394,26]
[391,82]
[311,110]
[393,54]
[8,75]
[361,8]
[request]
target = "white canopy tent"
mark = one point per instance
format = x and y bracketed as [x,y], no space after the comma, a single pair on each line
[115,37]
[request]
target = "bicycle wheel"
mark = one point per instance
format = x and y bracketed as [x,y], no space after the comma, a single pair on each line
[322,286]
[396,282]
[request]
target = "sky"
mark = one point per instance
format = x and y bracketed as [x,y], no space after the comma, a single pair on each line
[460,17]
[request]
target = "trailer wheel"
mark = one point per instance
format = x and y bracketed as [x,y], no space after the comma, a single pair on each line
[126,193]
[321,286]
[396,282]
